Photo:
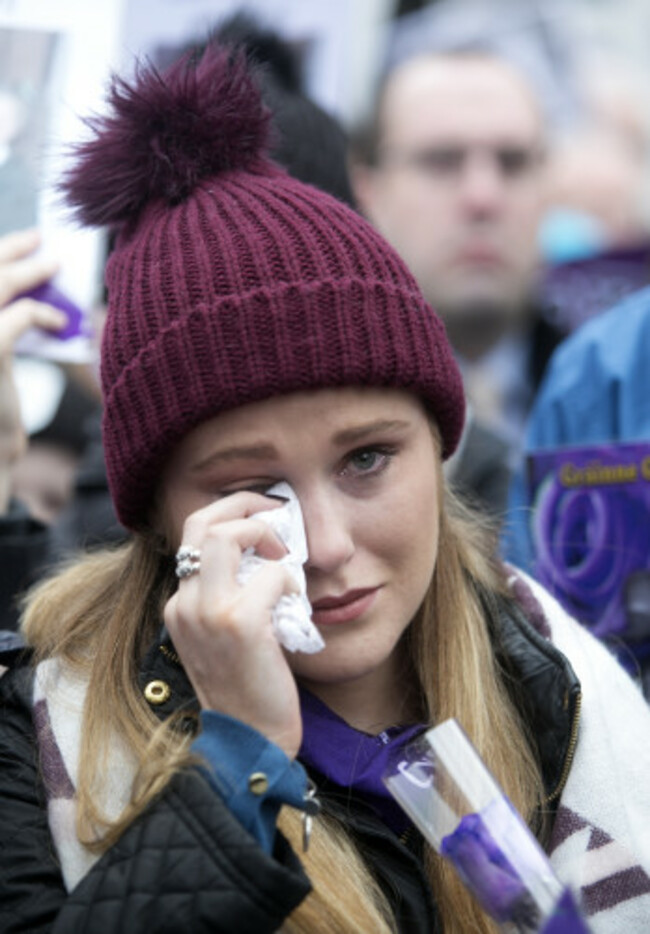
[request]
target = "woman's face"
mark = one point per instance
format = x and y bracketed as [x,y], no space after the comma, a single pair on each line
[365,467]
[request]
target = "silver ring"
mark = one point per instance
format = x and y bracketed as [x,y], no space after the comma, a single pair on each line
[188,561]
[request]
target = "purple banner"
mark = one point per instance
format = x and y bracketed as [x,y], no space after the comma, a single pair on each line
[591,535]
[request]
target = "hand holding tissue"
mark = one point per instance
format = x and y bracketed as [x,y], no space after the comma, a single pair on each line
[292,621]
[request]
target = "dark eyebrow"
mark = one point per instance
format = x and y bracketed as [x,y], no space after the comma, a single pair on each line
[245,452]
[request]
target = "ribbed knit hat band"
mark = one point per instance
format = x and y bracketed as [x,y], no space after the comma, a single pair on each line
[252,285]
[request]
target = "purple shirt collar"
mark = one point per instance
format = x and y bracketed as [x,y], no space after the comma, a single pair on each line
[353,759]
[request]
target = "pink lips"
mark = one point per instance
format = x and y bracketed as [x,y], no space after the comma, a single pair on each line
[344,609]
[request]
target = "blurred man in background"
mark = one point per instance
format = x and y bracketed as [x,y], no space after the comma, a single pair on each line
[451,171]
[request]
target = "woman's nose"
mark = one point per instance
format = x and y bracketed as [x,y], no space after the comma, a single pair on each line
[330,543]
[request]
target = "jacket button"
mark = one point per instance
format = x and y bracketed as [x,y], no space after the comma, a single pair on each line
[258,783]
[157,692]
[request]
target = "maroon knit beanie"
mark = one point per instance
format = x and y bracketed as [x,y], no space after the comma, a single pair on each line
[231,282]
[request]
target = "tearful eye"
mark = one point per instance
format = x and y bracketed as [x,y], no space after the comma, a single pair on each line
[368,462]
[365,460]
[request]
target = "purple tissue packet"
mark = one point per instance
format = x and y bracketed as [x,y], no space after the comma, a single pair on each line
[72,344]
[566,918]
[487,873]
[52,296]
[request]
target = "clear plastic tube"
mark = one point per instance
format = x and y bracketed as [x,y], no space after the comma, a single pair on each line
[447,791]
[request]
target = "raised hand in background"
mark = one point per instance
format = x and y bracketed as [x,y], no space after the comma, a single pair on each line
[20,270]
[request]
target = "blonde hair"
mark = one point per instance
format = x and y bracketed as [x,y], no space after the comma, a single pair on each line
[101,613]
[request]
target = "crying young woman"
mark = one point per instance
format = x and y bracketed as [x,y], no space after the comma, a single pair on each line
[168,763]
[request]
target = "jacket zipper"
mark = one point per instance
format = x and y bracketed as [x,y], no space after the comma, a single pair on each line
[568,759]
[406,835]
[170,654]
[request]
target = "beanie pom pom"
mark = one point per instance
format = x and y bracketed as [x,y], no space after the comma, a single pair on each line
[164,133]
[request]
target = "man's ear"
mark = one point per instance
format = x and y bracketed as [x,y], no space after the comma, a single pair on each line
[364,180]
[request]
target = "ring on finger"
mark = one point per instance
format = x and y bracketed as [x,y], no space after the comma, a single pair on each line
[188,561]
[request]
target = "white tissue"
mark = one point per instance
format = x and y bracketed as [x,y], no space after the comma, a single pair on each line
[292,622]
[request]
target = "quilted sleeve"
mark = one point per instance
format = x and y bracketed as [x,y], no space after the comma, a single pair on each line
[185,865]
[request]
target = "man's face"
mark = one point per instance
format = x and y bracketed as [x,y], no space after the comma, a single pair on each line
[458,188]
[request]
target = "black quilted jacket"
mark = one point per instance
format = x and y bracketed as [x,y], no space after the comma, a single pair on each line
[186,865]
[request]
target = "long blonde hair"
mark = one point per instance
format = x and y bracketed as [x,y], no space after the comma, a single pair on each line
[102,612]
